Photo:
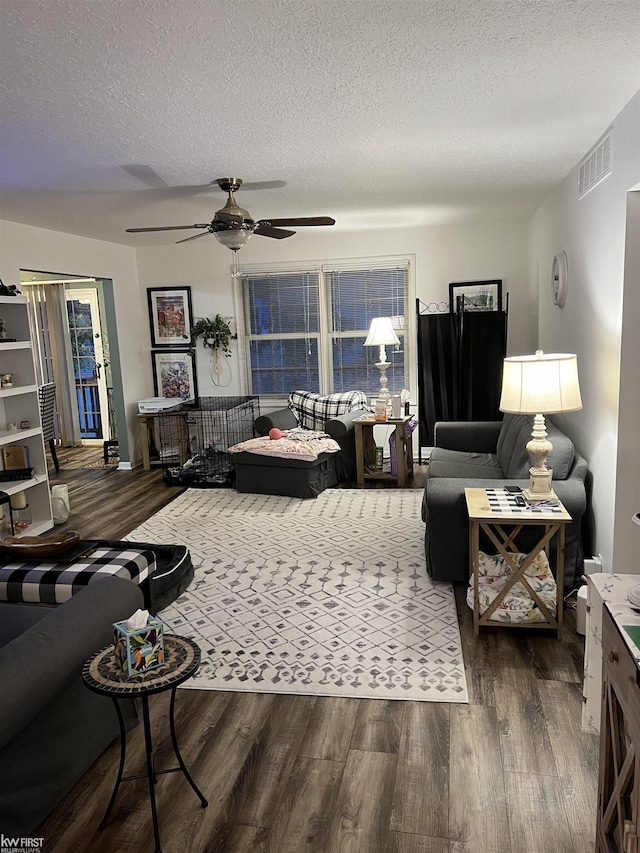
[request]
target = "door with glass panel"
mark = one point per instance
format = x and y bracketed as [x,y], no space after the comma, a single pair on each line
[88,359]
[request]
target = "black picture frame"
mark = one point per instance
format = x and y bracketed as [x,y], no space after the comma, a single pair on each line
[475,295]
[170,316]
[174,374]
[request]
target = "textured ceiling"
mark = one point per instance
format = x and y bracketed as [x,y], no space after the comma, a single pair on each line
[118,113]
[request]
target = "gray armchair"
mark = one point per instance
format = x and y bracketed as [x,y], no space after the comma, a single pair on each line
[488,455]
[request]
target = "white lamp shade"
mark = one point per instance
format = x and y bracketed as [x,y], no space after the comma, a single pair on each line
[540,384]
[381,332]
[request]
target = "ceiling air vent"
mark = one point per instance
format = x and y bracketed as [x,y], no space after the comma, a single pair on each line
[596,165]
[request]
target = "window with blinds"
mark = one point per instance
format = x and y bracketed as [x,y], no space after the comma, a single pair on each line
[306,330]
[355,298]
[283,312]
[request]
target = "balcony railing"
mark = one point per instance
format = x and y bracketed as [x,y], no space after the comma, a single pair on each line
[89,411]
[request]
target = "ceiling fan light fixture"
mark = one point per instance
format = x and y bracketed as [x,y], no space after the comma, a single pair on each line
[233,238]
[233,226]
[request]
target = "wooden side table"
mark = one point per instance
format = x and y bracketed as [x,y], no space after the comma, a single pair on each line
[493,520]
[365,450]
[103,675]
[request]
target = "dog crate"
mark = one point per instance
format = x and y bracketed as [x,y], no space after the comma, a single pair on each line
[194,441]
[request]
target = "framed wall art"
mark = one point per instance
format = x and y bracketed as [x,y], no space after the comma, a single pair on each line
[170,316]
[174,374]
[475,295]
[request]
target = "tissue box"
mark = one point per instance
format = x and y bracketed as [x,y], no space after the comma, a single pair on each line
[139,649]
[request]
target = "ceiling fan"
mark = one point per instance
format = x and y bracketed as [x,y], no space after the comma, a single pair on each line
[233,226]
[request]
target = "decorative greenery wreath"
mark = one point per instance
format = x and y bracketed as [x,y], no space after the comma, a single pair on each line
[215,333]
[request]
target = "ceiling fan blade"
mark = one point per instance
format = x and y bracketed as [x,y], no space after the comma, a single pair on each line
[157,187]
[299,221]
[150,178]
[223,216]
[193,237]
[145,174]
[255,185]
[166,228]
[268,231]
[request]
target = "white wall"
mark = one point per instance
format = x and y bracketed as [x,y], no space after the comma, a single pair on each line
[592,232]
[25,247]
[626,535]
[442,254]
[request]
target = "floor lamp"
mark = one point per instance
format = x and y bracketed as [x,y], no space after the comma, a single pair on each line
[381,333]
[531,385]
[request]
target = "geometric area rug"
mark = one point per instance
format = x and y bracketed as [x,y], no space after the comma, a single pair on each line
[324,597]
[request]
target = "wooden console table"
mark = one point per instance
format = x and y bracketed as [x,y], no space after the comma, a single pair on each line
[147,434]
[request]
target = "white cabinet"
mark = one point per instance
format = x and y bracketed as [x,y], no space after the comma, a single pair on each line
[610,589]
[19,403]
[618,818]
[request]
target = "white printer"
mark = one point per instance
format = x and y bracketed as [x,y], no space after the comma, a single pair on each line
[153,405]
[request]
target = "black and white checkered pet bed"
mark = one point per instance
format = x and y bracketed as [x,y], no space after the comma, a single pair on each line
[53,583]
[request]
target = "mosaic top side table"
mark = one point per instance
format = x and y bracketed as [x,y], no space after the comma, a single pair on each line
[102,674]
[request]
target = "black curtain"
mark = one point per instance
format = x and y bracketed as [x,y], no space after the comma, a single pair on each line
[437,356]
[460,367]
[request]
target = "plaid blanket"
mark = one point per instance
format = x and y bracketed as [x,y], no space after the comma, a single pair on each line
[51,583]
[313,411]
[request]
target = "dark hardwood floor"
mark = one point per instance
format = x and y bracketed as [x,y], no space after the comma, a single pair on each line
[107,503]
[511,772]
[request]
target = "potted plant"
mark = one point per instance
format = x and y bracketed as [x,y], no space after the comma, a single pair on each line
[215,333]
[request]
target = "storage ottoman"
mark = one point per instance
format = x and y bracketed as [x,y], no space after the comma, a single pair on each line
[294,478]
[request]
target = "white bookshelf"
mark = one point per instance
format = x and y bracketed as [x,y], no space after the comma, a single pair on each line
[20,403]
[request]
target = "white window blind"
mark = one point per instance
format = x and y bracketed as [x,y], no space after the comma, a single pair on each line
[355,298]
[306,330]
[283,312]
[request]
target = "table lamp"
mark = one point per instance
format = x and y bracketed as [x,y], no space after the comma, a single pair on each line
[531,385]
[380,333]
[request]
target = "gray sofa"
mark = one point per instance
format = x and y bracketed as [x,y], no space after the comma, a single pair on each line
[52,727]
[487,454]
